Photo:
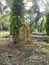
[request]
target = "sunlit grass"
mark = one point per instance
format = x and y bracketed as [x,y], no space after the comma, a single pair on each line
[44,47]
[44,36]
[5,39]
[3,33]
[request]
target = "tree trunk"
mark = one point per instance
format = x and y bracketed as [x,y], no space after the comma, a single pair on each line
[47,24]
[16,19]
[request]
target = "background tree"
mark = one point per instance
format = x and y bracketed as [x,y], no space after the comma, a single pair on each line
[4,15]
[33,14]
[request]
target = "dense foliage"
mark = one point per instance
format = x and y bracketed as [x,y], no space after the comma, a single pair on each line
[33,16]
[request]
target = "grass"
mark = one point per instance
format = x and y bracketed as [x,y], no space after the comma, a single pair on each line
[44,47]
[45,36]
[11,48]
[2,33]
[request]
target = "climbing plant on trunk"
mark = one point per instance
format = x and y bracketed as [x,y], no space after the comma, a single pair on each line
[16,18]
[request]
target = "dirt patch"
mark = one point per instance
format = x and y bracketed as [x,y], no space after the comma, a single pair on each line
[22,54]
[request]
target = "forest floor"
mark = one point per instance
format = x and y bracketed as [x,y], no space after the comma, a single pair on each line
[36,53]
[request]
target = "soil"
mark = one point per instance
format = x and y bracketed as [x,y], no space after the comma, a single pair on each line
[22,54]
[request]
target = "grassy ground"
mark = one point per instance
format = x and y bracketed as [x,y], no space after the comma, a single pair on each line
[2,33]
[36,53]
[44,36]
